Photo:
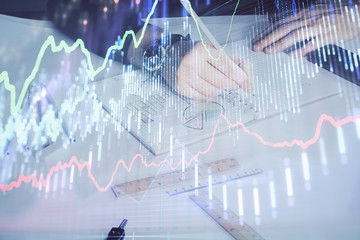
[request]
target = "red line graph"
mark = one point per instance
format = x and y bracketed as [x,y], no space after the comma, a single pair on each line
[73,161]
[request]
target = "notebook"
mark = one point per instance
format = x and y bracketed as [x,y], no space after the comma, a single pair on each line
[162,120]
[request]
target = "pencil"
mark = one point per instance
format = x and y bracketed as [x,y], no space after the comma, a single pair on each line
[213,41]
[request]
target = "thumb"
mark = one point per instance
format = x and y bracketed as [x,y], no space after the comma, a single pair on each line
[242,63]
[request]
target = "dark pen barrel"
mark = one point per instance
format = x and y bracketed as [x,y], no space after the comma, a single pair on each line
[123,223]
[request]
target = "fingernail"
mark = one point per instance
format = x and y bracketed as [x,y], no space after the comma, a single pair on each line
[297,54]
[269,50]
[293,55]
[256,48]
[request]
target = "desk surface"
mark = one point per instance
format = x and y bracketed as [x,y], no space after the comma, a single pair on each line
[323,203]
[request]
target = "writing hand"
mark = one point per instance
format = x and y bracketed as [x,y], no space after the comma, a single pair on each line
[205,71]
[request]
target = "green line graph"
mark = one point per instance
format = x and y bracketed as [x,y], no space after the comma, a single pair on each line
[50,42]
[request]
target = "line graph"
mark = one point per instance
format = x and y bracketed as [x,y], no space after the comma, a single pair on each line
[50,43]
[73,161]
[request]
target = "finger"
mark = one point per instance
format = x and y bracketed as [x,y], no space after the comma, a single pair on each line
[280,33]
[256,40]
[237,61]
[277,24]
[238,74]
[307,13]
[304,14]
[216,78]
[246,66]
[317,10]
[275,35]
[242,63]
[270,29]
[189,92]
[204,87]
[201,70]
[309,47]
[230,69]
[291,39]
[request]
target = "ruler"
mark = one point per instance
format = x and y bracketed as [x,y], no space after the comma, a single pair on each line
[228,220]
[175,177]
[184,178]
[217,179]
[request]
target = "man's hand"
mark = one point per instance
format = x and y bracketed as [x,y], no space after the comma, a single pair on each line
[204,72]
[319,26]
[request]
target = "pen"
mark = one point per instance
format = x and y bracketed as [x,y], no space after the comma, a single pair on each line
[201,24]
[209,35]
